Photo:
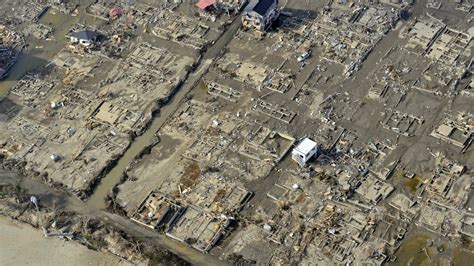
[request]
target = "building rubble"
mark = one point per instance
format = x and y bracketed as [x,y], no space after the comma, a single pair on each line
[319,133]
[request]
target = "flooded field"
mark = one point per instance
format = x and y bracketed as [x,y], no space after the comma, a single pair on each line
[23,245]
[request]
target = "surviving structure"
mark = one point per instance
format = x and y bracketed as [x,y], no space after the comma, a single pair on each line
[304,151]
[85,37]
[260,14]
[257,157]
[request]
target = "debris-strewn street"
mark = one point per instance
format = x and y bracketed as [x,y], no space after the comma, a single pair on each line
[263,132]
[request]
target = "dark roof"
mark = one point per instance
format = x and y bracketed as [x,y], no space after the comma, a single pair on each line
[86,35]
[260,6]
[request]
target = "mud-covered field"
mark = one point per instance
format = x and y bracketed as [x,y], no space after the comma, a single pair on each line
[23,245]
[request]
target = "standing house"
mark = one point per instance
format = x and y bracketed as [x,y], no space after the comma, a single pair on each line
[85,37]
[304,151]
[260,14]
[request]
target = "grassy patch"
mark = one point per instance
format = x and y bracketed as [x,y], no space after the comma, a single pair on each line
[412,183]
[397,175]
[464,254]
[156,258]
[191,175]
[201,86]
[411,251]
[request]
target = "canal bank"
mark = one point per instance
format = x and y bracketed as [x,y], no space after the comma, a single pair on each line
[63,201]
[114,177]
[24,245]
[140,143]
[36,56]
[94,207]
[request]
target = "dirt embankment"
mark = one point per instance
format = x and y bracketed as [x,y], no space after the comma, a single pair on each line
[55,222]
[24,245]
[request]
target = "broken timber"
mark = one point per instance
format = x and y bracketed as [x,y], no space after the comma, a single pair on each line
[279,113]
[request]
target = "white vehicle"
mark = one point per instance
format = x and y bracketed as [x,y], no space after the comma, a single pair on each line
[304,56]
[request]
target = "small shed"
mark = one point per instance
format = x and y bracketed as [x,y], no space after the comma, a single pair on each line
[304,151]
[85,37]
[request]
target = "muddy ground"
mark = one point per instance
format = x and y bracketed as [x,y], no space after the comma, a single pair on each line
[24,245]
[61,215]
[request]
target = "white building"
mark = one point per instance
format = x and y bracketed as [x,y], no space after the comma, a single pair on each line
[304,151]
[85,37]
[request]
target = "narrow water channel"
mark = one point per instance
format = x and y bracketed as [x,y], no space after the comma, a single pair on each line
[64,201]
[97,200]
[39,54]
